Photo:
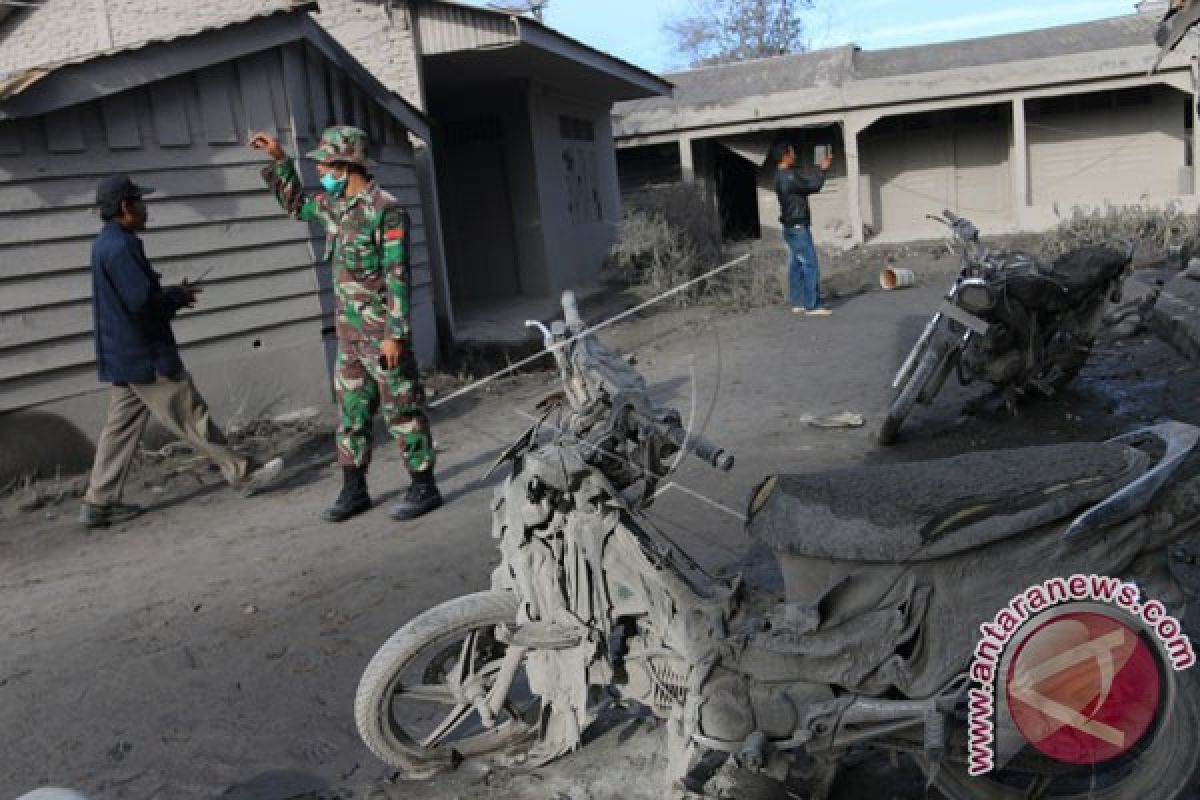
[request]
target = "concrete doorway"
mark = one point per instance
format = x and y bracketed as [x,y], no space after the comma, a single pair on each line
[481,253]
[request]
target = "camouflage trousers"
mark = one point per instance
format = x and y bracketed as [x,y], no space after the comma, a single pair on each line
[363,387]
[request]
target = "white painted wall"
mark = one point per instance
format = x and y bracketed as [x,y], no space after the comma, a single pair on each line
[576,243]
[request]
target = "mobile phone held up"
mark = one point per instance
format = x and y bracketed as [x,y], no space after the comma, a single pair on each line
[822,152]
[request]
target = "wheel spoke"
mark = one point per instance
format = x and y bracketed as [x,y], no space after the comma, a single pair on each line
[465,660]
[452,721]
[436,693]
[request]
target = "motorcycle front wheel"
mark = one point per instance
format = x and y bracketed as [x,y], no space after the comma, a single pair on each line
[414,707]
[907,397]
[1162,768]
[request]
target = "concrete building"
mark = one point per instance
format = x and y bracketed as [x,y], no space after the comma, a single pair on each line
[1012,131]
[175,115]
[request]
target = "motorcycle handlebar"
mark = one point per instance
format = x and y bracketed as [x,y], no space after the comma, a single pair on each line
[706,450]
[571,312]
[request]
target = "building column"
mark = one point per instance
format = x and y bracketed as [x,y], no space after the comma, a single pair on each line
[687,161]
[853,124]
[850,132]
[1020,164]
[1194,98]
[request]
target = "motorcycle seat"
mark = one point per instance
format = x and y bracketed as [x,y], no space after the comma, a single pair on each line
[930,509]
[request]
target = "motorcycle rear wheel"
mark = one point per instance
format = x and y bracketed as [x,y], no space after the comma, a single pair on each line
[889,431]
[1164,768]
[409,707]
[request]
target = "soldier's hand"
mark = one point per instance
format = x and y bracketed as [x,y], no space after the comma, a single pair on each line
[265,141]
[393,351]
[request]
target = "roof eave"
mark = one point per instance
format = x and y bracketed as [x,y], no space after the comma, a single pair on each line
[44,90]
[642,82]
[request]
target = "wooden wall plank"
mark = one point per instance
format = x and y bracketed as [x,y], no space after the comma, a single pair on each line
[295,81]
[217,85]
[120,115]
[20,170]
[318,90]
[81,379]
[45,323]
[50,226]
[339,96]
[64,131]
[79,192]
[10,138]
[66,287]
[254,76]
[189,328]
[168,110]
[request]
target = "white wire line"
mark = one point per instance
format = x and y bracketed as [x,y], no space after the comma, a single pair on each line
[599,326]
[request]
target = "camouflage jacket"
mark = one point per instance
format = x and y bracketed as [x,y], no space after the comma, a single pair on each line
[367,241]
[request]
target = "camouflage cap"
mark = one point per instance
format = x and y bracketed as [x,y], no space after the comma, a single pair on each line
[344,144]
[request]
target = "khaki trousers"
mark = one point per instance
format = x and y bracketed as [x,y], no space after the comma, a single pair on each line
[181,410]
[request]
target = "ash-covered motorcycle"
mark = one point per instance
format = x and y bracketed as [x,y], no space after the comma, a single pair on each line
[888,573]
[1008,320]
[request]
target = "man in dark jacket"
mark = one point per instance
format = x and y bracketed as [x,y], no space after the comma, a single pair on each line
[137,354]
[793,185]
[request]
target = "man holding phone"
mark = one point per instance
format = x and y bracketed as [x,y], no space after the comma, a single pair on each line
[793,185]
[367,242]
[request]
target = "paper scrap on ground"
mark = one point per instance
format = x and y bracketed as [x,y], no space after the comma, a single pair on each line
[844,419]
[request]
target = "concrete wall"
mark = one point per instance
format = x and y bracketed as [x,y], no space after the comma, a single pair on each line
[578,189]
[920,164]
[259,340]
[1118,147]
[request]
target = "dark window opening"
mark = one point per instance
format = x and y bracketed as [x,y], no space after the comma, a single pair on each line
[737,195]
[576,129]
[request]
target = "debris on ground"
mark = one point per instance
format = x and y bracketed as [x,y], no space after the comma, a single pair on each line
[844,419]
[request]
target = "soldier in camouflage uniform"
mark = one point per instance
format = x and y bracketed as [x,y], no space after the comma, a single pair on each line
[367,240]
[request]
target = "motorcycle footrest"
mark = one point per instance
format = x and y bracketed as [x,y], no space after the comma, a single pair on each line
[540,636]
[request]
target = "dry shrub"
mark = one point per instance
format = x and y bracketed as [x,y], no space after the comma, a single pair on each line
[669,235]
[1157,230]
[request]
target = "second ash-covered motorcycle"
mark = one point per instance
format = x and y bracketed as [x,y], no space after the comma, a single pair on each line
[888,572]
[1009,320]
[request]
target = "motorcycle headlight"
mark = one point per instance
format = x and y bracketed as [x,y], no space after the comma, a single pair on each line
[976,297]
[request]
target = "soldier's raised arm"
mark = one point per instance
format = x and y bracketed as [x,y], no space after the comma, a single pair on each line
[284,181]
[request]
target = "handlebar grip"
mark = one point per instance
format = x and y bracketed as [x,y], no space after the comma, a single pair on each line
[950,215]
[571,311]
[704,449]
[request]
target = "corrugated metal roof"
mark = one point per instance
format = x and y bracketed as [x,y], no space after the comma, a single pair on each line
[449,28]
[14,84]
[491,27]
[843,65]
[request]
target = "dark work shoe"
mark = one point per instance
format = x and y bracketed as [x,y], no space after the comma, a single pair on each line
[97,516]
[353,499]
[421,498]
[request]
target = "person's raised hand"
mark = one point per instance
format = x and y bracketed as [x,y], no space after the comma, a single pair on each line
[265,141]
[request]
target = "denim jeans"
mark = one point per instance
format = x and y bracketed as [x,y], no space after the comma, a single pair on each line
[804,275]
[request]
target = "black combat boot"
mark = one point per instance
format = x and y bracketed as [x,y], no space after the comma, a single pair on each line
[421,498]
[353,499]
